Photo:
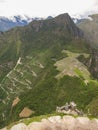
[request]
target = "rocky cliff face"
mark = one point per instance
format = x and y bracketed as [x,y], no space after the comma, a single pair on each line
[94,64]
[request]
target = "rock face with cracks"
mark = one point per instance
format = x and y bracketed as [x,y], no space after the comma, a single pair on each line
[58,123]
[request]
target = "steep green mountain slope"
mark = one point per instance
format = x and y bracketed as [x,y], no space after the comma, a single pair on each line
[33,56]
[90,28]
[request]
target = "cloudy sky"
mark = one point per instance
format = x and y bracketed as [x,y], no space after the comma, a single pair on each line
[43,8]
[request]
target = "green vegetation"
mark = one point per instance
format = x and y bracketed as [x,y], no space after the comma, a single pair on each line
[33,59]
[72,66]
[90,28]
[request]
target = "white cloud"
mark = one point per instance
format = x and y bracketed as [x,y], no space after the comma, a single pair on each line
[96,2]
[93,8]
[45,7]
[1,1]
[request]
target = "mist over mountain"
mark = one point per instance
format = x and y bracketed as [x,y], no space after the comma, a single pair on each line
[89,27]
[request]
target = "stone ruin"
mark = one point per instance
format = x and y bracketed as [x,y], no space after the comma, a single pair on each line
[69,108]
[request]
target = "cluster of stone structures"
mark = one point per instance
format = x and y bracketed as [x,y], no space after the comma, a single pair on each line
[69,108]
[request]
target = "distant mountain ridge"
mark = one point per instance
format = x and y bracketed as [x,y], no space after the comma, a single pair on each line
[6,23]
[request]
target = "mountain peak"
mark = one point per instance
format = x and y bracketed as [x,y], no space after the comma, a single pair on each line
[61,25]
[94,17]
[63,15]
[66,21]
[64,18]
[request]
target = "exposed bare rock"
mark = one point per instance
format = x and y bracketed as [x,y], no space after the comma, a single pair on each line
[41,66]
[68,122]
[82,123]
[4,128]
[38,126]
[20,126]
[16,101]
[26,112]
[45,121]
[55,119]
[58,123]
[94,124]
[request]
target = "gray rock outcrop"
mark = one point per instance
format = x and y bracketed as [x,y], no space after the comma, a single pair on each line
[20,126]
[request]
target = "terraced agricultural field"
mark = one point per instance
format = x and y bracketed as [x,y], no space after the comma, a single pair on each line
[72,66]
